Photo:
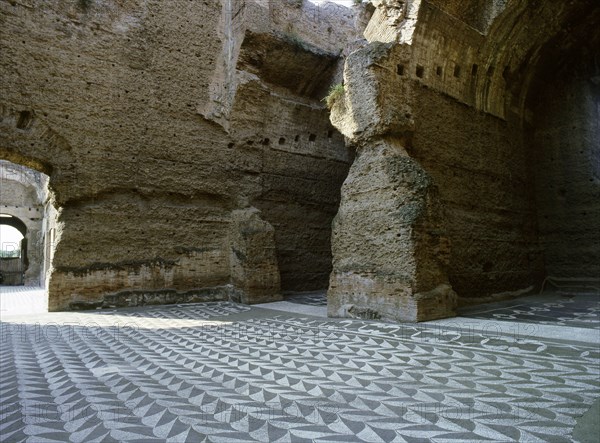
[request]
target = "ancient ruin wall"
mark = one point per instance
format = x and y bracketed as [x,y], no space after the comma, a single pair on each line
[109,99]
[479,161]
[566,162]
[300,168]
[480,166]
[445,87]
[23,195]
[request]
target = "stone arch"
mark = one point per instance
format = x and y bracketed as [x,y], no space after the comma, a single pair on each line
[561,116]
[28,140]
[521,48]
[24,199]
[472,148]
[13,268]
[15,222]
[545,81]
[41,159]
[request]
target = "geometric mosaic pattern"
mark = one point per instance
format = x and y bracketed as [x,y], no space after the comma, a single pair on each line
[578,311]
[316,298]
[220,372]
[197,311]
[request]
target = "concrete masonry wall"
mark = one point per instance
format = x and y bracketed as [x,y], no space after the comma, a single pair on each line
[106,97]
[480,166]
[436,104]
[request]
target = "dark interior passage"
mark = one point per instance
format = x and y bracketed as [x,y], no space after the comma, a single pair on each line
[566,165]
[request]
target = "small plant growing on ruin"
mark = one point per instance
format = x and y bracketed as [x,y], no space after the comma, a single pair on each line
[335,92]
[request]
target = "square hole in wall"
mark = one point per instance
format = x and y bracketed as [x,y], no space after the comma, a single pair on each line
[25,118]
[474,69]
[420,71]
[400,69]
[456,71]
[439,71]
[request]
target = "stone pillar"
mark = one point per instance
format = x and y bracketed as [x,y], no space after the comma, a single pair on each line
[390,252]
[389,249]
[253,259]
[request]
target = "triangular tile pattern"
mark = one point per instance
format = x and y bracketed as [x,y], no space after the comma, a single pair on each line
[195,373]
[577,310]
[316,298]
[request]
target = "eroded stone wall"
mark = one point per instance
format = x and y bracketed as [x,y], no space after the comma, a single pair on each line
[481,168]
[295,154]
[177,133]
[111,99]
[445,86]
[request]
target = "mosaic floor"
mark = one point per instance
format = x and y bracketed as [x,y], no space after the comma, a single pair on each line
[220,372]
[316,298]
[581,311]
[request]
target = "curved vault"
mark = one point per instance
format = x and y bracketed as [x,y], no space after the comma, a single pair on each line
[455,102]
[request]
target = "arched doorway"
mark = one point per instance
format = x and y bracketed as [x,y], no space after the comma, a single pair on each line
[26,226]
[13,250]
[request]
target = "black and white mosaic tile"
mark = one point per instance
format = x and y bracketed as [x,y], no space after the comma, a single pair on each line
[220,372]
[316,298]
[577,311]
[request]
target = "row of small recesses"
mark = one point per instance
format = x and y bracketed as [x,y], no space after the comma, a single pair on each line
[439,71]
[282,140]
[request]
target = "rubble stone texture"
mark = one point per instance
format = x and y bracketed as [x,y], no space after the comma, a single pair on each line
[156,122]
[476,130]
[190,155]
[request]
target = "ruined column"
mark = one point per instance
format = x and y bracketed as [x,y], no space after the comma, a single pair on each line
[253,259]
[390,251]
